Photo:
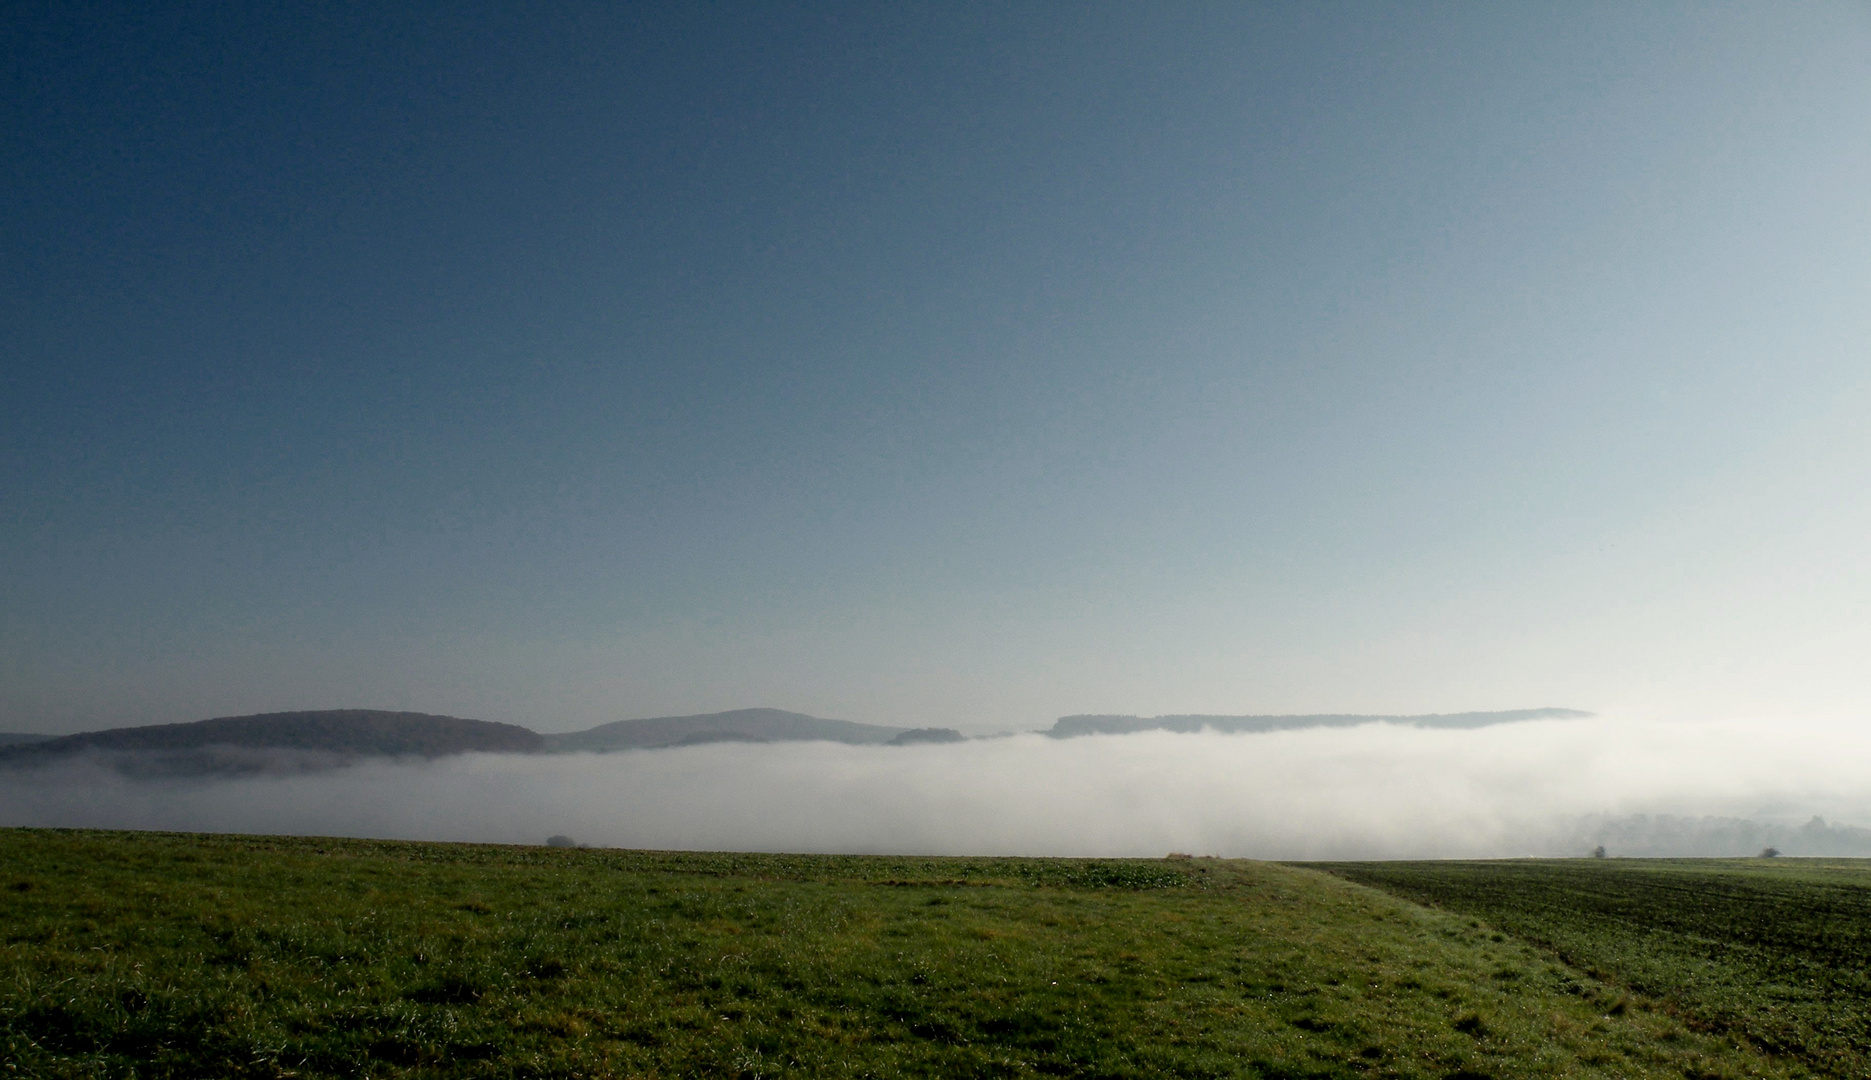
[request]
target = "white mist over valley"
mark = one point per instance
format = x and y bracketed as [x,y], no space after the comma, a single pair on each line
[1376,790]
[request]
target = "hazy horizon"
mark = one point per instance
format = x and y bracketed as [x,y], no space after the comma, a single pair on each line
[1046,726]
[1374,791]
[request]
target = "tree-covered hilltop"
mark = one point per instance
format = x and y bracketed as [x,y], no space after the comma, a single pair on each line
[347,732]
[297,741]
[738,725]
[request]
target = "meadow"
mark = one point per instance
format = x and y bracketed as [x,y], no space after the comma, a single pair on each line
[169,955]
[1776,952]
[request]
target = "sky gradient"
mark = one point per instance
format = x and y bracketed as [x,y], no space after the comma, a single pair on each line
[949,364]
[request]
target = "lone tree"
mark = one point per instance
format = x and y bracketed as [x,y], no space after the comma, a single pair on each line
[1598,852]
[1770,853]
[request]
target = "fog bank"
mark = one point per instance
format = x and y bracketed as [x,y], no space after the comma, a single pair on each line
[1374,791]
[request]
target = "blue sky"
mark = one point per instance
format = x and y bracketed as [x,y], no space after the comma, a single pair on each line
[948,364]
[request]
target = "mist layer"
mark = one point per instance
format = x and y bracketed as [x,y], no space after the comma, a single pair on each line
[1374,791]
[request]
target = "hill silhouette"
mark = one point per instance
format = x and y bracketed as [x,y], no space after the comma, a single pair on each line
[928,735]
[738,725]
[322,737]
[308,740]
[1067,727]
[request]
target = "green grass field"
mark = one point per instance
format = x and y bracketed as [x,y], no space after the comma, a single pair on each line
[164,955]
[1777,951]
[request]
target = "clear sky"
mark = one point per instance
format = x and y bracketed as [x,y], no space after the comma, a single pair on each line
[949,364]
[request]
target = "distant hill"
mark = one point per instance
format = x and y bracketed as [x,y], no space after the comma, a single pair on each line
[740,725]
[305,741]
[330,734]
[1070,726]
[928,735]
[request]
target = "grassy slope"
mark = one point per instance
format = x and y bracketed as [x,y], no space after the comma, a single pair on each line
[177,955]
[1778,951]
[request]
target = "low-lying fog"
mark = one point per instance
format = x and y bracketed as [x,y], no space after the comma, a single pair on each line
[1539,788]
